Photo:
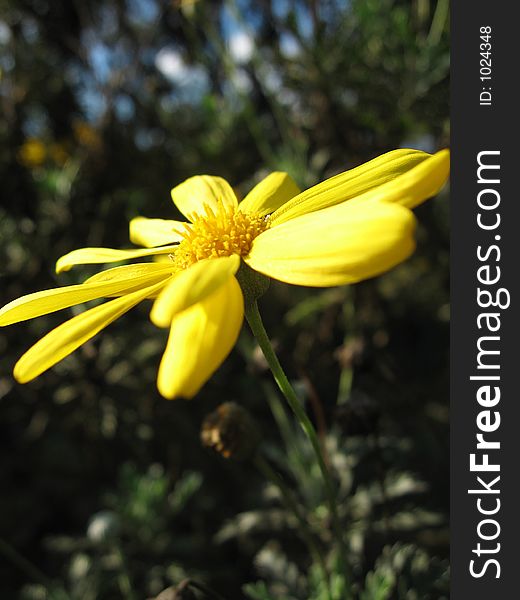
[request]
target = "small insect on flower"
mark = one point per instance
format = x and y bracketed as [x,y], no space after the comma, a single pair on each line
[350,227]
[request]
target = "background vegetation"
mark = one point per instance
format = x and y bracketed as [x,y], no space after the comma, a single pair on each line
[107,491]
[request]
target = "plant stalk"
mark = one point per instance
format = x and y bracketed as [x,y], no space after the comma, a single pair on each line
[257,327]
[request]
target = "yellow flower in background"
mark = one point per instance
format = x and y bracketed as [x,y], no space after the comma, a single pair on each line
[350,227]
[32,153]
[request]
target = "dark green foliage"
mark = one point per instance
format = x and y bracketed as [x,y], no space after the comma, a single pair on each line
[106,490]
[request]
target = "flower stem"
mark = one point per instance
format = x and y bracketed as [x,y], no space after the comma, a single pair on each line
[257,327]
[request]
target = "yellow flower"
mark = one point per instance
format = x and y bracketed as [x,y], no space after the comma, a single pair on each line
[351,227]
[32,153]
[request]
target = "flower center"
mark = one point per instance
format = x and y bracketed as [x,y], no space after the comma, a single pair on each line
[218,234]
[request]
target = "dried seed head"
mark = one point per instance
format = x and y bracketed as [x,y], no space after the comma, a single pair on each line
[230,431]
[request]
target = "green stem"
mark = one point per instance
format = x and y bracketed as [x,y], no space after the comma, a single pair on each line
[298,464]
[257,327]
[269,473]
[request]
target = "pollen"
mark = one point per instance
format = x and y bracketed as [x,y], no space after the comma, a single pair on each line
[220,233]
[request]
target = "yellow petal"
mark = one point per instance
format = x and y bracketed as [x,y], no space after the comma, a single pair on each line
[198,194]
[90,256]
[416,185]
[200,339]
[337,245]
[161,269]
[268,195]
[155,232]
[130,272]
[191,286]
[47,301]
[368,177]
[67,337]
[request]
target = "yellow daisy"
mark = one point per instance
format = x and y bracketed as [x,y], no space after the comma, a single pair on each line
[350,227]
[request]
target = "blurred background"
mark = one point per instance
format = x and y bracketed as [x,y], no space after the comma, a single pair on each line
[106,489]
